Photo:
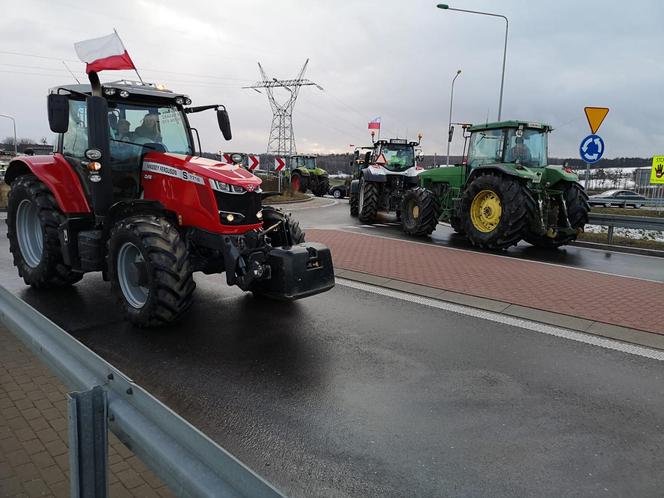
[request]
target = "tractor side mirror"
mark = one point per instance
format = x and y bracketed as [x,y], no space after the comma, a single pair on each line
[224,123]
[58,113]
[367,158]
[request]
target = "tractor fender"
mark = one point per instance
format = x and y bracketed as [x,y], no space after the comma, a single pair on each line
[58,175]
[374,174]
[502,169]
[355,187]
[301,172]
[124,209]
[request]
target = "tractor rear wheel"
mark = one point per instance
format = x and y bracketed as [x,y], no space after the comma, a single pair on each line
[578,208]
[368,201]
[298,184]
[322,187]
[419,212]
[149,269]
[495,211]
[33,218]
[289,233]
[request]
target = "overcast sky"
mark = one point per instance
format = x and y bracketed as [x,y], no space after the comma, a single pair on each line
[393,59]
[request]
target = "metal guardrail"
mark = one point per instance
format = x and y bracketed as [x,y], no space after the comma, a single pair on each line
[623,221]
[614,201]
[189,462]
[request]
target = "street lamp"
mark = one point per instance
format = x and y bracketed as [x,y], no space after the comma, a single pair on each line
[502,79]
[449,126]
[14,122]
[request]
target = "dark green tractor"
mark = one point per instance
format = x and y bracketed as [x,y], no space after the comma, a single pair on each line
[306,175]
[504,193]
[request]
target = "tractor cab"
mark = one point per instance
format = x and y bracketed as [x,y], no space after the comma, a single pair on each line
[396,154]
[304,162]
[509,142]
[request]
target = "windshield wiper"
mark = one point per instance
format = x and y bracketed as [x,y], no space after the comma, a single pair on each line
[134,143]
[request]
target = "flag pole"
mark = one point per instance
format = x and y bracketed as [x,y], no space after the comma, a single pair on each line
[132,61]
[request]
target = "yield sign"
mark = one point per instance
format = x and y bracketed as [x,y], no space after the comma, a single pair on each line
[252,162]
[595,116]
[279,163]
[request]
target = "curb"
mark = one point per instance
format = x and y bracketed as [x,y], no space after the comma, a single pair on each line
[616,332]
[300,201]
[614,248]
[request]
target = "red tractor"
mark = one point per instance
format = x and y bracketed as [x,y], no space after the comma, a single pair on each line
[126,194]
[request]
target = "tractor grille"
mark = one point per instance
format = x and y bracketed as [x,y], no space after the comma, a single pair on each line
[243,207]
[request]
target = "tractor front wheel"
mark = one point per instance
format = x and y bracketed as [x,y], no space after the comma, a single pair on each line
[149,270]
[287,230]
[323,186]
[33,218]
[368,201]
[419,212]
[494,211]
[354,204]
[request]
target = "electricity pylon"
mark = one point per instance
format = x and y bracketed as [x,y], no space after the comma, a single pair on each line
[282,138]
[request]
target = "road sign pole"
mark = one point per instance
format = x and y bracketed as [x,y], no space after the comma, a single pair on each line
[587,176]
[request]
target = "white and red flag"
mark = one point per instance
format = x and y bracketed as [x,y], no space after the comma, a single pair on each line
[374,124]
[107,52]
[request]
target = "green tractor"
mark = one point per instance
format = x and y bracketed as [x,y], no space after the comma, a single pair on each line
[306,175]
[505,192]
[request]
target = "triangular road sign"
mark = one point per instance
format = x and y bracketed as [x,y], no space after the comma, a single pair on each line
[595,117]
[381,160]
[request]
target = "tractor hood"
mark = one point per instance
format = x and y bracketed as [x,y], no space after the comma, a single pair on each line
[176,164]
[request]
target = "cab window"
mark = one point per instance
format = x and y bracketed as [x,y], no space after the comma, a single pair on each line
[75,140]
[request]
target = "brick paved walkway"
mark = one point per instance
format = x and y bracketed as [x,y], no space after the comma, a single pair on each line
[33,434]
[616,300]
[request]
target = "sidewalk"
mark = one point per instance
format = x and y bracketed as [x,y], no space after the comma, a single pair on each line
[34,459]
[597,297]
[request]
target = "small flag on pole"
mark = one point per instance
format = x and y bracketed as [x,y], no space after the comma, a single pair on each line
[374,124]
[105,53]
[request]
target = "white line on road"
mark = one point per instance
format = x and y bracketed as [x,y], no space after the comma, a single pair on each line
[572,335]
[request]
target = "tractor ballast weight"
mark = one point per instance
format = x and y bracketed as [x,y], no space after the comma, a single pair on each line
[144,209]
[506,191]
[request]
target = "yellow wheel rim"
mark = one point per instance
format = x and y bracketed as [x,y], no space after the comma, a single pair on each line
[416,212]
[485,211]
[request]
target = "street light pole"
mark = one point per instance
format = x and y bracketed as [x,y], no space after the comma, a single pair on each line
[449,125]
[14,122]
[502,78]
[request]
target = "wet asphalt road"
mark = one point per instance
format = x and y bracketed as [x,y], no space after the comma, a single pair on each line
[631,265]
[357,394]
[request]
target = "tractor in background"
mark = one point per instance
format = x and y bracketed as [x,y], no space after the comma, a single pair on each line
[127,194]
[306,175]
[505,192]
[384,174]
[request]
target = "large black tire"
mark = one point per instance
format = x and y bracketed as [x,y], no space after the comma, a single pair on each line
[368,202]
[354,204]
[161,265]
[289,233]
[323,186]
[419,212]
[41,267]
[516,204]
[577,213]
[298,182]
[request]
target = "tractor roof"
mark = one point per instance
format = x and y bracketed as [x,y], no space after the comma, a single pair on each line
[396,141]
[510,124]
[135,88]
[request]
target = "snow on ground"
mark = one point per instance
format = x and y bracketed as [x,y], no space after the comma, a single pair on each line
[632,233]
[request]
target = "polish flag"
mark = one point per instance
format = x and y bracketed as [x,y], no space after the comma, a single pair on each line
[103,53]
[374,124]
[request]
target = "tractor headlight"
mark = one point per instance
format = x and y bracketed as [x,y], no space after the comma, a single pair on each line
[109,91]
[187,101]
[124,94]
[179,100]
[226,187]
[259,215]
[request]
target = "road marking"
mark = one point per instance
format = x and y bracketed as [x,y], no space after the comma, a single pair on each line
[512,258]
[296,207]
[542,328]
